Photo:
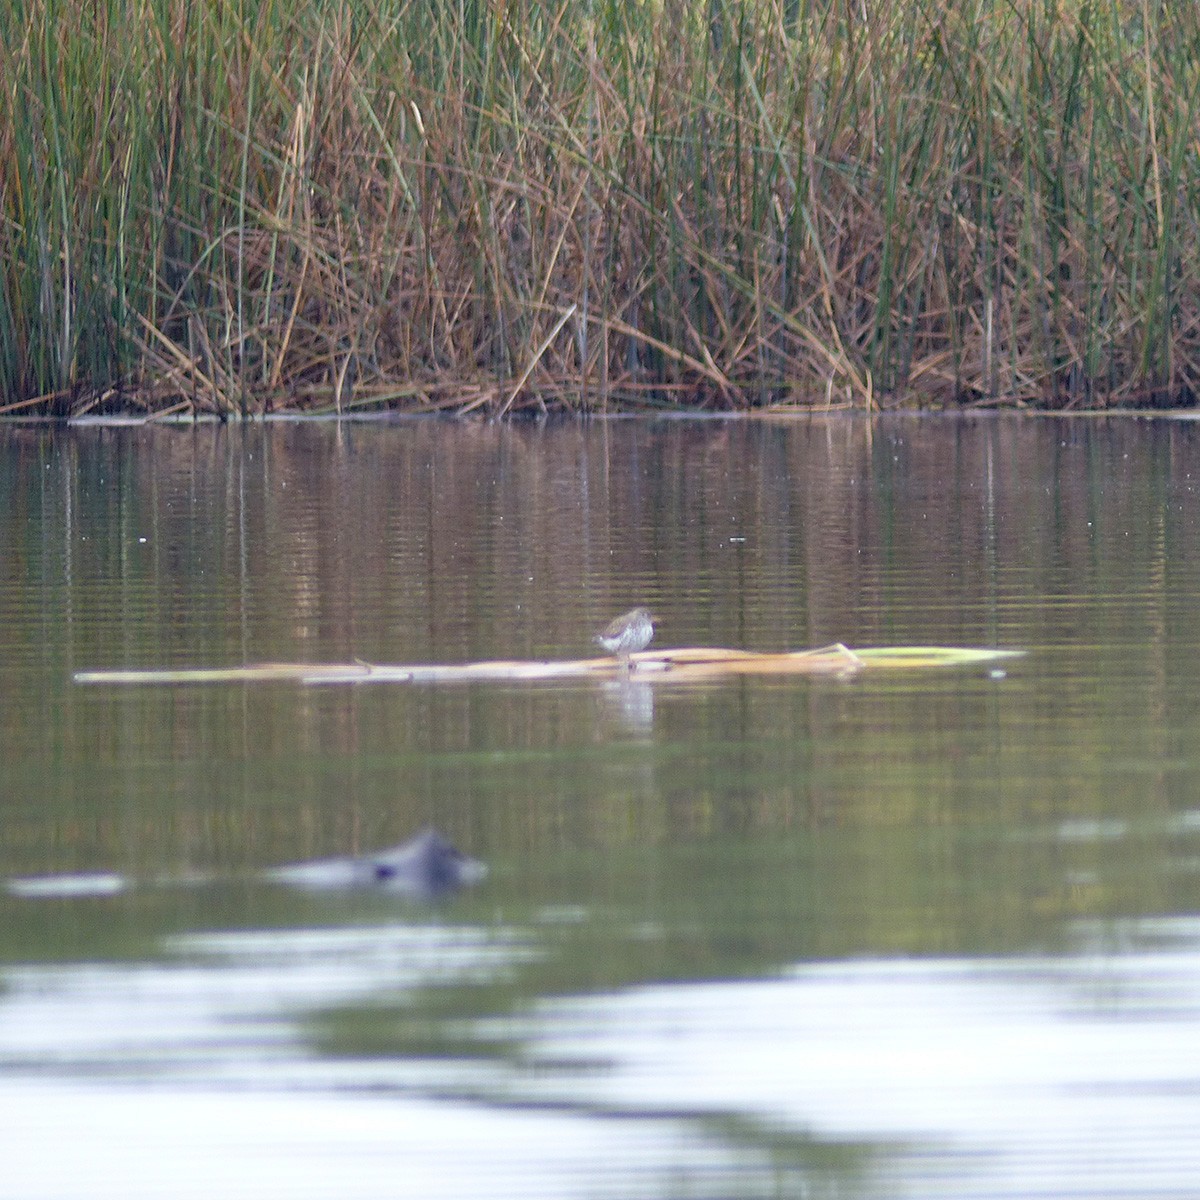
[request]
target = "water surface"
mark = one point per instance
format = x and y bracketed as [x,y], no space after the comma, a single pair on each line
[924,933]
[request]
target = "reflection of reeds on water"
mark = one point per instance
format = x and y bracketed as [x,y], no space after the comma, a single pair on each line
[284,204]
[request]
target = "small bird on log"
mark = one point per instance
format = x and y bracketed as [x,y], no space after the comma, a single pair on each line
[627,634]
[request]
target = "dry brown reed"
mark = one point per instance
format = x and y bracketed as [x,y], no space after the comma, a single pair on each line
[484,206]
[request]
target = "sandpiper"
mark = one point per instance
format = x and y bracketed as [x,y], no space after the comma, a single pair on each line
[627,634]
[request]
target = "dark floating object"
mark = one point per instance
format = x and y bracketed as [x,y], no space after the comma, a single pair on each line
[423,868]
[426,866]
[627,634]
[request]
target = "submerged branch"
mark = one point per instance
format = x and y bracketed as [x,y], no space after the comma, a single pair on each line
[647,666]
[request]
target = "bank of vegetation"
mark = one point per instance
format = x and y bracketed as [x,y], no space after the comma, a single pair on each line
[246,206]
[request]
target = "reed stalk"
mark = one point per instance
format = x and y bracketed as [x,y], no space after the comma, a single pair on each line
[245,206]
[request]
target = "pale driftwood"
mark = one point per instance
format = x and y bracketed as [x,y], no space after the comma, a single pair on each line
[688,663]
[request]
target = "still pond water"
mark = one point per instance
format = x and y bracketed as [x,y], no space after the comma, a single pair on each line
[927,933]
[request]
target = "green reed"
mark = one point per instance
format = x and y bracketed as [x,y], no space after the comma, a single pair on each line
[248,205]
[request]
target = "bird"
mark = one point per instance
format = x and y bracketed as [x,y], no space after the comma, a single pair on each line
[627,634]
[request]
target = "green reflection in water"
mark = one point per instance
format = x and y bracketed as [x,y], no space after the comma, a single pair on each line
[636,833]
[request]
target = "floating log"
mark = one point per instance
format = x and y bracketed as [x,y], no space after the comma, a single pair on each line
[688,663]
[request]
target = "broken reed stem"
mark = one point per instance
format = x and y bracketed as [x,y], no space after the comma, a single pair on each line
[281,205]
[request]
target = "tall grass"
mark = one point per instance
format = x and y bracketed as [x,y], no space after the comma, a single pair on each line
[246,205]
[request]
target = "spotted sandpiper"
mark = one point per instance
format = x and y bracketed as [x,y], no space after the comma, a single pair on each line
[627,634]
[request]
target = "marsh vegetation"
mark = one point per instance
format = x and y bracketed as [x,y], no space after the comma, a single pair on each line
[244,206]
